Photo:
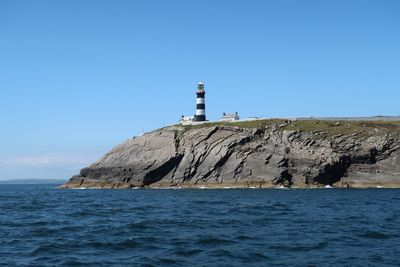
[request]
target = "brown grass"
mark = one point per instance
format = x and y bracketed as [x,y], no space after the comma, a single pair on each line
[326,127]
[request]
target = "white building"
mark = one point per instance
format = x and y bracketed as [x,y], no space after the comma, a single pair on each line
[230,117]
[186,120]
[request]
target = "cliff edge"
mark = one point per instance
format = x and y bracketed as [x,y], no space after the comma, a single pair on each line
[262,153]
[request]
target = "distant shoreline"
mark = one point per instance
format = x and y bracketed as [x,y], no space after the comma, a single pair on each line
[33,181]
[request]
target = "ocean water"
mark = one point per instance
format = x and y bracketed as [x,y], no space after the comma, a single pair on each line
[44,226]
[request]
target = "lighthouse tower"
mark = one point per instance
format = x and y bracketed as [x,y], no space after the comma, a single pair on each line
[201,104]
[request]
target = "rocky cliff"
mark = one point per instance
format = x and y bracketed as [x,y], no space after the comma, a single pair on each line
[267,153]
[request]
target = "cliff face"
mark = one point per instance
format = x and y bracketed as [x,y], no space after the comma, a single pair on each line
[268,153]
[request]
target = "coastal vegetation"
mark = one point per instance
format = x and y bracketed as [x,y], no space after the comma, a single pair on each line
[326,128]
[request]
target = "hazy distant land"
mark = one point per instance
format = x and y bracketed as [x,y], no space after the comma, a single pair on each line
[33,181]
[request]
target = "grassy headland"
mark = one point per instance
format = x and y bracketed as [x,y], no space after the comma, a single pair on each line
[327,128]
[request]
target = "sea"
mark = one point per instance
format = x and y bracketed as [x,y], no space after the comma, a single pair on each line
[41,225]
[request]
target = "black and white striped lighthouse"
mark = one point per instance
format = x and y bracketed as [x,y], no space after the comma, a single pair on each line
[201,103]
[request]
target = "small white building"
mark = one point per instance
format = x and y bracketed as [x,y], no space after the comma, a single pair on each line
[230,117]
[186,120]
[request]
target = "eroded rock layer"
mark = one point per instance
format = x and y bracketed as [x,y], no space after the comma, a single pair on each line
[268,153]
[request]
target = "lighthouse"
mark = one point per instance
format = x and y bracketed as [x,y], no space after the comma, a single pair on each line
[201,104]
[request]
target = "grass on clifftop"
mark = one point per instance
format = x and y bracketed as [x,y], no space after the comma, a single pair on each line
[240,124]
[331,128]
[326,127]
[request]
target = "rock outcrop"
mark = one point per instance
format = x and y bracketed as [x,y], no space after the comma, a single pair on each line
[270,153]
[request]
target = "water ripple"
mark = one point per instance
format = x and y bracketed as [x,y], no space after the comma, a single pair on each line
[42,226]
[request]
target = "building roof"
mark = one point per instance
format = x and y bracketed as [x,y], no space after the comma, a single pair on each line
[226,115]
[229,115]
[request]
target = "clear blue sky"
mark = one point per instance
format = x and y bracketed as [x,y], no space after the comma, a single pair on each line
[78,77]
